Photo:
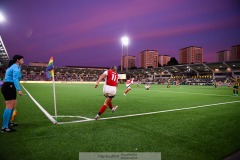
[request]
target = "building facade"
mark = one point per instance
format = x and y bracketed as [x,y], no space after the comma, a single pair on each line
[129,61]
[191,55]
[235,53]
[148,58]
[223,56]
[163,59]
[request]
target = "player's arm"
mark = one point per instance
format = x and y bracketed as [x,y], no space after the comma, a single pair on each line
[99,80]
[16,76]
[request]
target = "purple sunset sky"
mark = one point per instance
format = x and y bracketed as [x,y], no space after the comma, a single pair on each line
[88,32]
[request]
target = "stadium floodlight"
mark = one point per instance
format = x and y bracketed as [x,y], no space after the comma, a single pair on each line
[2,18]
[125,42]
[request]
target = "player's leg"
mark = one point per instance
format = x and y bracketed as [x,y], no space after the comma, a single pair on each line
[102,109]
[110,104]
[14,105]
[107,102]
[109,93]
[9,94]
[7,116]
[104,106]
[128,89]
[234,90]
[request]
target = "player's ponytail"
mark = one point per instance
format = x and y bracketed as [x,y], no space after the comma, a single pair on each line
[10,63]
[114,68]
[14,60]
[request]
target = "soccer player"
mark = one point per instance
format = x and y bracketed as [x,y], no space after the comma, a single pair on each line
[109,89]
[215,83]
[128,85]
[235,86]
[138,83]
[9,88]
[219,84]
[147,86]
[229,84]
[168,83]
[177,82]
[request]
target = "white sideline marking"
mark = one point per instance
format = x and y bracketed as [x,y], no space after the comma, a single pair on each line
[74,117]
[41,108]
[149,113]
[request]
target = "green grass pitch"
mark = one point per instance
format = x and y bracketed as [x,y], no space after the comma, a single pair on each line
[208,131]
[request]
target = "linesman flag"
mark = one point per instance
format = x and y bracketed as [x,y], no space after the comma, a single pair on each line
[50,68]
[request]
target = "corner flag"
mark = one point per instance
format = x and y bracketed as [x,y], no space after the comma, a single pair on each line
[50,74]
[50,69]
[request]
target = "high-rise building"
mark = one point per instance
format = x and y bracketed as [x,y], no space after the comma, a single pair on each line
[163,59]
[223,55]
[148,58]
[191,54]
[129,61]
[235,53]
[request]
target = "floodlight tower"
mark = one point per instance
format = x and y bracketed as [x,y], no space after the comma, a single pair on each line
[5,57]
[125,42]
[2,18]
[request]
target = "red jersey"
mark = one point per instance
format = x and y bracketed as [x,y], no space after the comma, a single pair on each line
[130,81]
[112,78]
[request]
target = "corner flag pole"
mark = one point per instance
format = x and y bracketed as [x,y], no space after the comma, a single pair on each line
[54,94]
[50,74]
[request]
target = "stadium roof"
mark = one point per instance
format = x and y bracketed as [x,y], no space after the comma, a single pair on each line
[205,68]
[4,58]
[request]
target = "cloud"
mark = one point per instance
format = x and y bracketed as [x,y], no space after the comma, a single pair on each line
[189,28]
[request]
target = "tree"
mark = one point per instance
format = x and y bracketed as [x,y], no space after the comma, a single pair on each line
[132,68]
[172,61]
[119,68]
[159,65]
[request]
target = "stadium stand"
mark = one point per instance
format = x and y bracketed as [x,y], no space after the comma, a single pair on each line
[189,74]
[62,73]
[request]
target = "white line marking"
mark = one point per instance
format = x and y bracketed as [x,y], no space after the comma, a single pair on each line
[63,116]
[149,113]
[41,108]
